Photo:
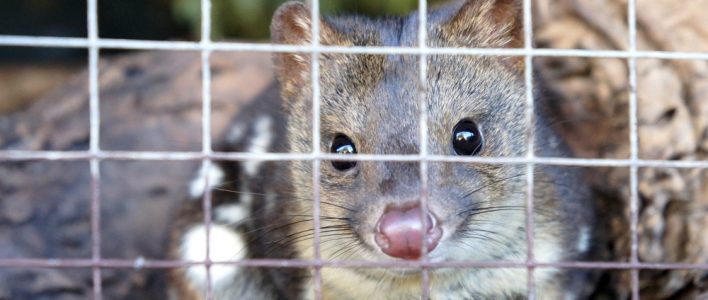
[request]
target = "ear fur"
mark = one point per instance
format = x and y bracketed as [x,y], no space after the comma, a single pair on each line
[292,24]
[488,24]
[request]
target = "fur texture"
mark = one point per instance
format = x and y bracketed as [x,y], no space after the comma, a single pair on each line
[373,99]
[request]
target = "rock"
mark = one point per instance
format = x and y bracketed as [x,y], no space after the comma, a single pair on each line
[149,102]
[673,123]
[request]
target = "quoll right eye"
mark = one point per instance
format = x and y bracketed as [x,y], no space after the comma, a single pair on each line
[342,144]
[467,138]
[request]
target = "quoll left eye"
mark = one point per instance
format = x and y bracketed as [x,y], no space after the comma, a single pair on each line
[467,138]
[342,144]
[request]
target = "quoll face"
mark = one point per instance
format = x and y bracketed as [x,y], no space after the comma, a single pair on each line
[465,118]
[370,104]
[372,210]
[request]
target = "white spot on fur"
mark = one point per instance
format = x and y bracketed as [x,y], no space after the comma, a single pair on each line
[225,245]
[259,144]
[216,176]
[584,239]
[231,214]
[236,133]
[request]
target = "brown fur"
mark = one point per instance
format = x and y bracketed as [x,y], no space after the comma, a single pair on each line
[373,99]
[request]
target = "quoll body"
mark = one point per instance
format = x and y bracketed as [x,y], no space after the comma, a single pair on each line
[371,209]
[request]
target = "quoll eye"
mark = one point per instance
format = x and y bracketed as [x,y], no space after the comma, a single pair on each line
[342,144]
[466,138]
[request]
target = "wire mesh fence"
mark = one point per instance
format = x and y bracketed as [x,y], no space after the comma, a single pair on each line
[95,155]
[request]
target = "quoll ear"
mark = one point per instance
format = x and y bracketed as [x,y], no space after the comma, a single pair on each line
[487,24]
[292,25]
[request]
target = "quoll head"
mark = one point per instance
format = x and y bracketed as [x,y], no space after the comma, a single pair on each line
[370,104]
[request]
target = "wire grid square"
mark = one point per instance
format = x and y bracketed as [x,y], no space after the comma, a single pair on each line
[95,155]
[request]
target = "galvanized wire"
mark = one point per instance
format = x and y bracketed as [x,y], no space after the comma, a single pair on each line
[95,154]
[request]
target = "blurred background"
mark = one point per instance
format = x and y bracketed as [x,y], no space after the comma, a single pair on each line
[151,101]
[132,19]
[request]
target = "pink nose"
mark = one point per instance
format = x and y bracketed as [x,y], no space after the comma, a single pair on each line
[399,232]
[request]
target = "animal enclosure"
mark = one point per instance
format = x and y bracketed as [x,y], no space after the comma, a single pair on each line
[96,158]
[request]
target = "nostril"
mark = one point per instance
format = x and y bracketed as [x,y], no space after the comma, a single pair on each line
[399,232]
[383,241]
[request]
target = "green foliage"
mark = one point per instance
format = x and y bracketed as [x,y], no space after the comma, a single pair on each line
[249,19]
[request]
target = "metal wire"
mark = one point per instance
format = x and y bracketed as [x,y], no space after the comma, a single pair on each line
[14,155]
[94,145]
[423,135]
[530,153]
[298,263]
[104,43]
[206,138]
[634,147]
[95,155]
[315,78]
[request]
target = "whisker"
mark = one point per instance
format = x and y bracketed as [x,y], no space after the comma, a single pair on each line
[477,210]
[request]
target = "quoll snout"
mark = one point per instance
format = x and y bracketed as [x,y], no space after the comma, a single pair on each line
[399,232]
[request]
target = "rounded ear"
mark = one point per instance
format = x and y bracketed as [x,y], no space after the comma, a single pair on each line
[292,24]
[487,24]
